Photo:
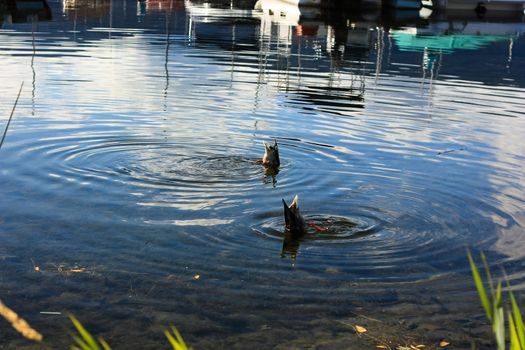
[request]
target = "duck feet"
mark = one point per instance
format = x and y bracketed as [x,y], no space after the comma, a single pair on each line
[317,227]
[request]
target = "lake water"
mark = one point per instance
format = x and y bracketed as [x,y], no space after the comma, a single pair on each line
[130,195]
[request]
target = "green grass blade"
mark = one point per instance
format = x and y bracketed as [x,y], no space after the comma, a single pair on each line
[514,340]
[487,272]
[81,343]
[105,345]
[487,306]
[179,337]
[499,319]
[85,334]
[498,327]
[176,342]
[520,329]
[497,298]
[172,341]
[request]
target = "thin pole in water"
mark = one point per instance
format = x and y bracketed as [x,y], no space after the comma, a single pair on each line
[11,116]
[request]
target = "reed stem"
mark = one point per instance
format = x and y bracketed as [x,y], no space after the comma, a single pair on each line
[11,116]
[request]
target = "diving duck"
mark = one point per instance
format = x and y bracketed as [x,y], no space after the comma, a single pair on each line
[271,155]
[294,222]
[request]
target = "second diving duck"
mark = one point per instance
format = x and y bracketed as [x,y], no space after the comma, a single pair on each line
[293,219]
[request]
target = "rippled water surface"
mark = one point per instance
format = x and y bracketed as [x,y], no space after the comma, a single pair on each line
[131,195]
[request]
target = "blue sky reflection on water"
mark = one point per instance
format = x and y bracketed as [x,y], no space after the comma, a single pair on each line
[131,156]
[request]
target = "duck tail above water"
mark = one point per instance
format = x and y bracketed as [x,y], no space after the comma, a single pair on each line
[292,217]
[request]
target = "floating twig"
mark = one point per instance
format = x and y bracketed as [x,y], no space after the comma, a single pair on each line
[451,150]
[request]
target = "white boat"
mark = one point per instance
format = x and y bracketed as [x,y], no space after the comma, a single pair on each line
[285,12]
[206,12]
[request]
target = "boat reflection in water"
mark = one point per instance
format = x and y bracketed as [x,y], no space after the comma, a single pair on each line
[347,35]
[79,9]
[17,11]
